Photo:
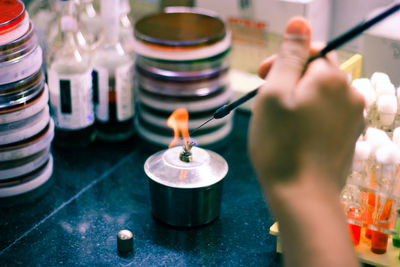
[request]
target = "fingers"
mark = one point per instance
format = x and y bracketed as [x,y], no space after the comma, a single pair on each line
[291,59]
[266,65]
[323,77]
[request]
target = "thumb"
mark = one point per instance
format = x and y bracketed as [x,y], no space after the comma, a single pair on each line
[292,56]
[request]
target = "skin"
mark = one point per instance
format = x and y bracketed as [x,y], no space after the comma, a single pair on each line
[305,123]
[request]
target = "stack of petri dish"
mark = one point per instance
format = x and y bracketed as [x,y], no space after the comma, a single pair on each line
[26,129]
[182,61]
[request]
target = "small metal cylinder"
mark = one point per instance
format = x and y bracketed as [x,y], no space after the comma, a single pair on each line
[125,241]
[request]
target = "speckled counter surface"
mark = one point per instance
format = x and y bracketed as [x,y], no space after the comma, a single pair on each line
[103,189]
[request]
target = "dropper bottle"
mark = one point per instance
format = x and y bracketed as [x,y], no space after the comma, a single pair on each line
[113,80]
[70,83]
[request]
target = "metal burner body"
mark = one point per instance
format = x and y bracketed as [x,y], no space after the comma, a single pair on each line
[186,194]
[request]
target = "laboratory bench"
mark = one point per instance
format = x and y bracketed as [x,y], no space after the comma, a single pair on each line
[97,191]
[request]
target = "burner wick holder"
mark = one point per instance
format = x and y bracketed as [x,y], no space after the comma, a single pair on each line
[186,154]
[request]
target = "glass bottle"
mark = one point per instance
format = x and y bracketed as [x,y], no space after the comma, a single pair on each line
[126,32]
[113,80]
[43,14]
[90,26]
[70,83]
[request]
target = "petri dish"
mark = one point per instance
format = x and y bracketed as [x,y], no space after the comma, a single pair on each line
[22,91]
[184,28]
[14,20]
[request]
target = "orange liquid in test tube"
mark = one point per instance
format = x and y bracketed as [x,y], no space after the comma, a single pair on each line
[379,240]
[355,231]
[354,215]
[370,213]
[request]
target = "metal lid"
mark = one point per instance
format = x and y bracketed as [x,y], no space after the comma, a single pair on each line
[180,27]
[205,169]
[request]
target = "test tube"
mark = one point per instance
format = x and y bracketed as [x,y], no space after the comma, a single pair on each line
[376,138]
[361,154]
[364,87]
[383,218]
[354,222]
[387,109]
[387,158]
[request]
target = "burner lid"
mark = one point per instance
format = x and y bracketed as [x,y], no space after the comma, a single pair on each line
[205,169]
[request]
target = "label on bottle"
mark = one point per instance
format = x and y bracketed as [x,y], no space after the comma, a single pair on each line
[100,89]
[71,100]
[124,88]
[115,93]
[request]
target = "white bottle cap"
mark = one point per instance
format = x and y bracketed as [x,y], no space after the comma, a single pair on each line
[387,104]
[364,87]
[361,82]
[387,109]
[362,150]
[385,88]
[388,154]
[379,77]
[396,136]
[376,138]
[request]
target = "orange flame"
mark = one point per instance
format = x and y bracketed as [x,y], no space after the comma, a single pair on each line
[179,122]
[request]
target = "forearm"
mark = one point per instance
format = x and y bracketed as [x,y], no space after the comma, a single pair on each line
[313,230]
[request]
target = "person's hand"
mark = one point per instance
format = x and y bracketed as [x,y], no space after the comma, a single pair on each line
[305,123]
[306,119]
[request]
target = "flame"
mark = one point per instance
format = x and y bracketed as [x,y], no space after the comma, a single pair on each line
[179,122]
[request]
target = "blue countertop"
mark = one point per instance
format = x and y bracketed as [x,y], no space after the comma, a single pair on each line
[102,189]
